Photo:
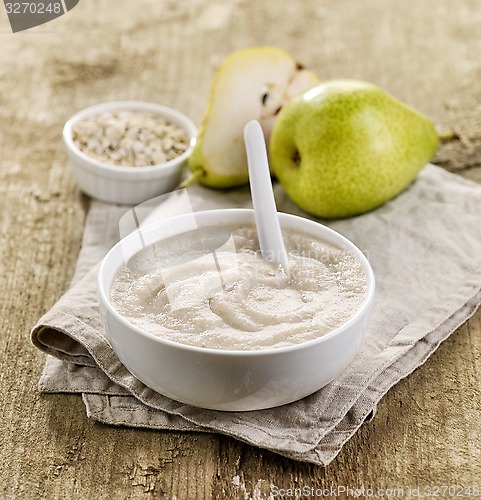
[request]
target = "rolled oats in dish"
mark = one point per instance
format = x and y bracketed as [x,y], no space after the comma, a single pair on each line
[130,138]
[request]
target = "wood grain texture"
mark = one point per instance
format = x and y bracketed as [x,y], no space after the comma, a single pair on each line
[426,430]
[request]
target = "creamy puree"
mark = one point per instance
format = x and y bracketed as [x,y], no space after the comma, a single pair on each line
[180,295]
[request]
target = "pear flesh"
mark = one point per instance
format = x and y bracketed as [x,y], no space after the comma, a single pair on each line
[346,147]
[249,84]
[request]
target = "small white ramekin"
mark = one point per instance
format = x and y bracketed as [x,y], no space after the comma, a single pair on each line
[127,185]
[229,379]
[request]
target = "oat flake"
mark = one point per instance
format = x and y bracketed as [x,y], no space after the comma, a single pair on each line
[129,138]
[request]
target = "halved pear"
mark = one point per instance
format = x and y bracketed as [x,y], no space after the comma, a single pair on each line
[250,84]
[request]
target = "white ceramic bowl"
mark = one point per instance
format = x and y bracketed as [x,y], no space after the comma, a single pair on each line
[228,379]
[127,185]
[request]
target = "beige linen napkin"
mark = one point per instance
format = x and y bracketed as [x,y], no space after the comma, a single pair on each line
[425,249]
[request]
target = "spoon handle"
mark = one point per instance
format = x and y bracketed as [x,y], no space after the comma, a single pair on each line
[267,220]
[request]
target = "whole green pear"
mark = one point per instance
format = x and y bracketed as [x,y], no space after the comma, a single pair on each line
[345,147]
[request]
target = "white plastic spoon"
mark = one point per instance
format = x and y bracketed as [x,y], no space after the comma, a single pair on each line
[267,220]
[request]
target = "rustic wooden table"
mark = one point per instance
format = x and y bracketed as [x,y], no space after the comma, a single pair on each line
[427,429]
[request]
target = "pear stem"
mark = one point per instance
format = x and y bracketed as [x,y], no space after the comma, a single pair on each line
[447,136]
[193,177]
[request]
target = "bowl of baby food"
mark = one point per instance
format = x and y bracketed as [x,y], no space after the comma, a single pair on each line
[128,152]
[195,313]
